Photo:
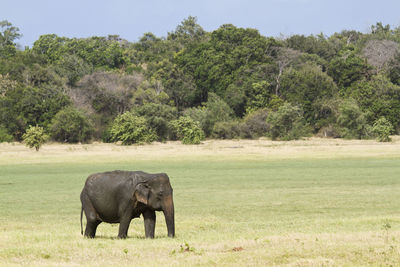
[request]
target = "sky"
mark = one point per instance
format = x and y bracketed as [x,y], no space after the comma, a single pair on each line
[132,18]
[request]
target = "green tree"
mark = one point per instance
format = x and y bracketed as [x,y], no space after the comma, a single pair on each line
[306,88]
[35,137]
[25,105]
[187,33]
[50,46]
[216,64]
[8,34]
[378,97]
[318,45]
[73,68]
[348,67]
[70,125]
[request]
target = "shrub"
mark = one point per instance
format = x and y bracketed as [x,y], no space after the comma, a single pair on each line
[352,121]
[382,128]
[71,126]
[287,123]
[34,137]
[158,116]
[214,110]
[131,129]
[5,136]
[187,130]
[226,130]
[254,125]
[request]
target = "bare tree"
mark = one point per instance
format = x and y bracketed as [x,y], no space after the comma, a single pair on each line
[380,52]
[106,92]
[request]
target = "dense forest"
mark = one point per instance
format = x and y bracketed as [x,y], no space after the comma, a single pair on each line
[193,84]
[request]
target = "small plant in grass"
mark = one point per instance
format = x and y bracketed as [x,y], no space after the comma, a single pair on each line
[382,128]
[187,248]
[35,137]
[187,130]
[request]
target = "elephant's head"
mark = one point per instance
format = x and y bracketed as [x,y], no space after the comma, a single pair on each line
[156,193]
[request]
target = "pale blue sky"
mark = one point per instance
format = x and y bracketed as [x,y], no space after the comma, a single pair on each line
[130,19]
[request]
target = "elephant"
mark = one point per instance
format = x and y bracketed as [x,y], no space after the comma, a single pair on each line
[120,196]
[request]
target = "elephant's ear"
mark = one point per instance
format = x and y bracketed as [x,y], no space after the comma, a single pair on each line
[142,193]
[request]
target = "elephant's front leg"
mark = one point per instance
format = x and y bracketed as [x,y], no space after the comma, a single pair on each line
[124,226]
[149,223]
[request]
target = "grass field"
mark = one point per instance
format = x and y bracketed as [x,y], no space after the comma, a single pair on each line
[238,203]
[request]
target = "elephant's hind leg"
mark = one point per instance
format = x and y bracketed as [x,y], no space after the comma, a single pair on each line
[92,220]
[91,228]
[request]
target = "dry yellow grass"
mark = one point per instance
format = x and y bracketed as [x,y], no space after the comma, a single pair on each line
[16,153]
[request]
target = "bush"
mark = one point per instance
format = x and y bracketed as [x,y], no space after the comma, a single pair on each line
[287,123]
[34,137]
[226,130]
[187,130]
[382,128]
[352,121]
[214,110]
[5,136]
[254,125]
[71,126]
[158,116]
[131,129]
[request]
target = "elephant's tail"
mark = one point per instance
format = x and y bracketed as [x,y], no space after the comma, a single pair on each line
[81,220]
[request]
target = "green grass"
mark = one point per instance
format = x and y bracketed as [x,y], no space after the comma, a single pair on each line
[230,210]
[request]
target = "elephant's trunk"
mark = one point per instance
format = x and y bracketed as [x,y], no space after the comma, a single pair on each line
[168,209]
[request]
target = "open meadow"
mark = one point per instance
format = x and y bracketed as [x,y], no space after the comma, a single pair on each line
[317,202]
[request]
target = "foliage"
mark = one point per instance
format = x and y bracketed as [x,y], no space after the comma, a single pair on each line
[187,130]
[254,124]
[5,136]
[348,67]
[131,129]
[158,116]
[382,128]
[287,123]
[213,111]
[217,78]
[25,105]
[306,87]
[352,120]
[35,137]
[378,97]
[8,34]
[187,33]
[73,68]
[226,130]
[70,125]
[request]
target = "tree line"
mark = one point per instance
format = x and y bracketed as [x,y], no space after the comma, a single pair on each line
[192,84]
